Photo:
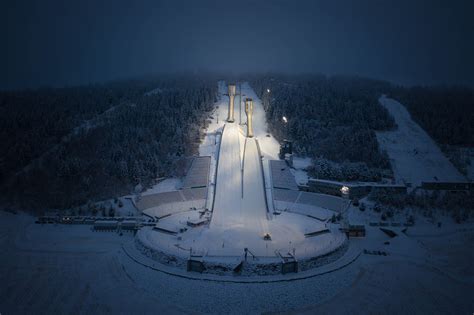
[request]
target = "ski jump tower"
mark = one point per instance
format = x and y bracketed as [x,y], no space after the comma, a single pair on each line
[231,89]
[249,111]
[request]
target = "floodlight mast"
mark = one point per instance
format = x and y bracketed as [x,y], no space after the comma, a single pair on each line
[345,192]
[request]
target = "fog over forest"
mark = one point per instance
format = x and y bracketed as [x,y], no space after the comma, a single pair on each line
[61,43]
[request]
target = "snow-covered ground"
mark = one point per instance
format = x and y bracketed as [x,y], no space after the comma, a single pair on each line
[414,156]
[240,198]
[287,231]
[69,269]
[240,218]
[299,169]
[227,207]
[168,184]
[269,146]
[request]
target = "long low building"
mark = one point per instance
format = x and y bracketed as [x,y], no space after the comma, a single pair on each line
[356,190]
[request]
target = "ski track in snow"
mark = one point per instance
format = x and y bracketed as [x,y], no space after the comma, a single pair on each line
[414,156]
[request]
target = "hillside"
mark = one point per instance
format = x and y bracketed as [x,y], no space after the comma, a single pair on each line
[447,115]
[63,147]
[331,120]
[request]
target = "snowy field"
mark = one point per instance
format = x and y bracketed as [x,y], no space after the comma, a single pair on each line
[69,269]
[287,231]
[414,156]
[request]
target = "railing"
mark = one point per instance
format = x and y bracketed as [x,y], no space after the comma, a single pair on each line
[263,175]
[217,168]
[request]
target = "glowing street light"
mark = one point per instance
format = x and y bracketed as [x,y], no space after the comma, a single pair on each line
[268,90]
[345,194]
[285,120]
[345,190]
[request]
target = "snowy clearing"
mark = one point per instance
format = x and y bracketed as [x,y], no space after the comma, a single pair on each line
[414,156]
[69,269]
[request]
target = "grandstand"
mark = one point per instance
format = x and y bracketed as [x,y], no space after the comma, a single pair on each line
[287,196]
[198,174]
[281,175]
[193,194]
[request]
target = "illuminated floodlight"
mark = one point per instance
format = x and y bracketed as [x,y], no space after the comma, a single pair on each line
[285,120]
[268,90]
[345,190]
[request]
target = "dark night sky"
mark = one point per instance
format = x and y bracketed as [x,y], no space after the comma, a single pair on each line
[57,42]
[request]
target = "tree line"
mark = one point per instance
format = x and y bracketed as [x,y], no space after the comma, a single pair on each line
[446,113]
[64,147]
[330,119]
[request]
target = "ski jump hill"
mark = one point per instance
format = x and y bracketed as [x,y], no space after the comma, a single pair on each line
[240,188]
[239,215]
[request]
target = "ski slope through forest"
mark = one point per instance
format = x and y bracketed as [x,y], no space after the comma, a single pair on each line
[240,196]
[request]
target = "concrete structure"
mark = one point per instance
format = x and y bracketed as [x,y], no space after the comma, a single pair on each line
[281,175]
[356,190]
[355,231]
[231,92]
[105,225]
[198,174]
[192,195]
[249,112]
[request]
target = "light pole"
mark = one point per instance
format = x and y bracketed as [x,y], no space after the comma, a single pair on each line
[266,99]
[345,191]
[285,121]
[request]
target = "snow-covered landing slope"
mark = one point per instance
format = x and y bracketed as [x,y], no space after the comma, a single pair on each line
[269,146]
[228,197]
[414,156]
[254,209]
[240,195]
